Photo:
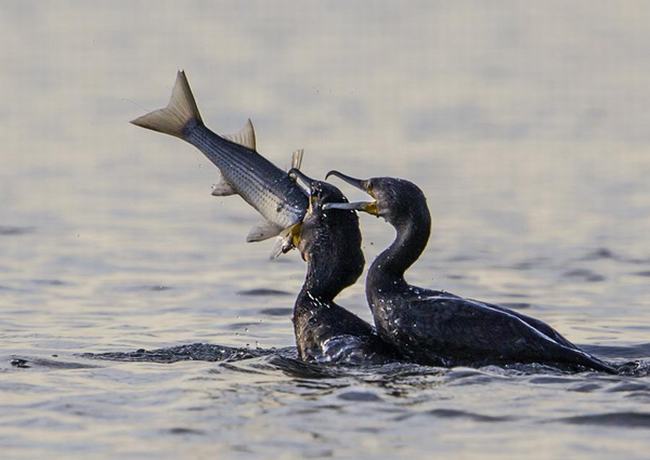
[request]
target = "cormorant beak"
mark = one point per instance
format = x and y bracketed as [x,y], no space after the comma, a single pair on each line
[295,173]
[358,183]
[366,206]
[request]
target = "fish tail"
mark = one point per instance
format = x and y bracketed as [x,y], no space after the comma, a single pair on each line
[180,110]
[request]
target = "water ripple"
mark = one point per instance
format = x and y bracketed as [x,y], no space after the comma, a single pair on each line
[359,396]
[583,274]
[613,419]
[453,413]
[193,352]
[277,311]
[263,292]
[8,230]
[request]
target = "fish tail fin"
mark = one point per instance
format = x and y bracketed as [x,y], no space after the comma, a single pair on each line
[179,112]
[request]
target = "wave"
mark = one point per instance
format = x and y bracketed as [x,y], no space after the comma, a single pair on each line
[617,419]
[286,360]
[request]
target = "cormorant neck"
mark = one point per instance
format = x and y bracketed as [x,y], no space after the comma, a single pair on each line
[320,284]
[412,235]
[331,246]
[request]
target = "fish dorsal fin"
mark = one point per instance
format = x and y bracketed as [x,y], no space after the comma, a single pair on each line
[222,188]
[296,159]
[263,231]
[245,137]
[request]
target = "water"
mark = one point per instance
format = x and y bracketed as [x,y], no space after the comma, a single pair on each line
[526,126]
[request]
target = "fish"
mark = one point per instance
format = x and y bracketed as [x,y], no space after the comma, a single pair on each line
[243,171]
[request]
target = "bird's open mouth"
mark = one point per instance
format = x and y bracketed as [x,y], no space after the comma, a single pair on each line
[366,206]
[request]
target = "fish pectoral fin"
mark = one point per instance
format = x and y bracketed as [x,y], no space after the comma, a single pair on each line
[223,188]
[296,159]
[286,240]
[263,231]
[279,247]
[245,137]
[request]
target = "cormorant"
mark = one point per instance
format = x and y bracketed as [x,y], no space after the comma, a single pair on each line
[437,327]
[330,243]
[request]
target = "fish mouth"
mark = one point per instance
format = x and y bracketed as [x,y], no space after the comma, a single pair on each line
[362,184]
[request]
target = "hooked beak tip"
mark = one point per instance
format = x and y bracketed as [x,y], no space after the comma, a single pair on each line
[295,173]
[353,181]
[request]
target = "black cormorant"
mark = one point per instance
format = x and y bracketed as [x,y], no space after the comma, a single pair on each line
[437,327]
[330,243]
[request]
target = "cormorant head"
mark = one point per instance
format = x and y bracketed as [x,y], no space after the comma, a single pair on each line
[396,200]
[330,240]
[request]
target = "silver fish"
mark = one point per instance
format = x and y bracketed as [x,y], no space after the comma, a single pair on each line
[244,172]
